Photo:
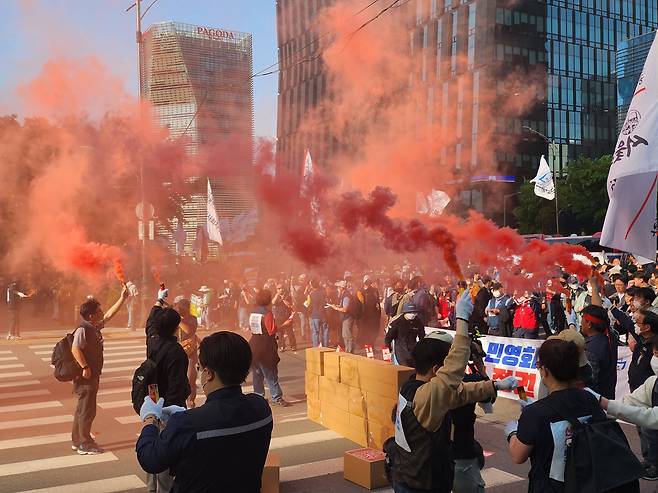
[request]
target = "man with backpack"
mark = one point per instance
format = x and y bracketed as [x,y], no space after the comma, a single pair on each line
[87,350]
[348,304]
[170,374]
[420,455]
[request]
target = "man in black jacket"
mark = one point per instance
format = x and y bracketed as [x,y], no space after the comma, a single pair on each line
[173,384]
[221,445]
[646,325]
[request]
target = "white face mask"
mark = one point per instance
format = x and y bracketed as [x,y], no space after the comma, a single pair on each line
[496,294]
[589,290]
[654,365]
[409,316]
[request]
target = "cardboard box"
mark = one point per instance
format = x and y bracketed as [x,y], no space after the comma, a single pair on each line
[271,473]
[313,410]
[331,366]
[365,467]
[379,409]
[334,418]
[334,394]
[356,402]
[379,433]
[358,430]
[349,369]
[315,360]
[312,386]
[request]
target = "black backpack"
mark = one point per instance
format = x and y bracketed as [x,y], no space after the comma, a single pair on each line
[355,309]
[66,367]
[145,375]
[599,458]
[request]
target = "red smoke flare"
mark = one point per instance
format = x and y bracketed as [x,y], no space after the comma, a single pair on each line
[118,270]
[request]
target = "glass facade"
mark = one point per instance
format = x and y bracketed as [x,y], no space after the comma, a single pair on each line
[198,82]
[631,55]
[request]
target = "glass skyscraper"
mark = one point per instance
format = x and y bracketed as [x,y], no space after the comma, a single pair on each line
[631,55]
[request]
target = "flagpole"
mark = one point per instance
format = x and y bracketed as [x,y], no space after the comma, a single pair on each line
[550,143]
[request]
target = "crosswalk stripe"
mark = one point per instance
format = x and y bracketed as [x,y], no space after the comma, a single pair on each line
[109,485]
[16,374]
[114,404]
[9,358]
[19,384]
[30,407]
[43,346]
[12,365]
[105,379]
[126,420]
[54,463]
[26,423]
[34,441]
[495,477]
[119,390]
[137,359]
[289,420]
[23,393]
[6,352]
[124,342]
[310,470]
[303,439]
[131,368]
[127,353]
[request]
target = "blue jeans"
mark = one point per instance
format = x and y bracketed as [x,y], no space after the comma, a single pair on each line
[468,478]
[303,324]
[264,373]
[649,445]
[319,330]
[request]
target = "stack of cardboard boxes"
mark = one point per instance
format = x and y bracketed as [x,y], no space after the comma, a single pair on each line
[353,395]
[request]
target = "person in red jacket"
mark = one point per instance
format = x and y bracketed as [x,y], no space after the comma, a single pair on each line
[526,317]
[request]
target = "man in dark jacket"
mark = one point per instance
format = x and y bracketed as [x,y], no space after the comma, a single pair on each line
[404,331]
[173,384]
[601,350]
[221,445]
[646,325]
[477,323]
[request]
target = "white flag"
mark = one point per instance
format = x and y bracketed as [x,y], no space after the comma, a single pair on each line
[544,185]
[308,172]
[630,223]
[214,233]
[432,204]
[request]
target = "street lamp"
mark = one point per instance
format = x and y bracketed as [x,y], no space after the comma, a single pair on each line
[550,143]
[505,197]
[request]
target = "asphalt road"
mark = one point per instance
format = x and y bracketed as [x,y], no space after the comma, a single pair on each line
[36,413]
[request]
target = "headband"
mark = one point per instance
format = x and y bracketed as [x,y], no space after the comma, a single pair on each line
[594,320]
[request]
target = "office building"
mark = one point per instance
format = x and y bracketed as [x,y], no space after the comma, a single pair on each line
[631,55]
[198,81]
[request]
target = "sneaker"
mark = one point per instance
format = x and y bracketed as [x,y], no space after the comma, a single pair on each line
[282,403]
[91,449]
[74,447]
[650,473]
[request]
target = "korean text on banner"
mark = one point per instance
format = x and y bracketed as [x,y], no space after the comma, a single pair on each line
[630,222]
[507,356]
[544,185]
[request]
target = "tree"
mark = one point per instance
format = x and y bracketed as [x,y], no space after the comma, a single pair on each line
[582,200]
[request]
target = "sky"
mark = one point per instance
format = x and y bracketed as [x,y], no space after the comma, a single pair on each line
[34,31]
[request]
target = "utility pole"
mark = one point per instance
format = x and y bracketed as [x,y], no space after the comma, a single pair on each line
[139,40]
[550,144]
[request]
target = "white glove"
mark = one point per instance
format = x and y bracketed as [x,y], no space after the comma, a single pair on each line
[597,396]
[607,304]
[507,383]
[169,411]
[150,408]
[464,307]
[510,427]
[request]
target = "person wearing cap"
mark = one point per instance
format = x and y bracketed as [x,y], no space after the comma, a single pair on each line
[346,308]
[584,378]
[204,318]
[403,332]
[370,319]
[497,311]
[188,340]
[421,451]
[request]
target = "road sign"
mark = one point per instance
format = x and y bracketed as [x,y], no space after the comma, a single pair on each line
[142,210]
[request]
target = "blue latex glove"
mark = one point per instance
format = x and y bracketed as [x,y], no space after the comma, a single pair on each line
[150,408]
[523,404]
[510,427]
[169,411]
[507,383]
[464,307]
